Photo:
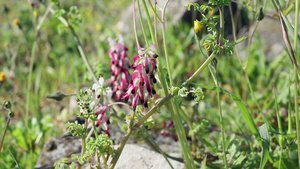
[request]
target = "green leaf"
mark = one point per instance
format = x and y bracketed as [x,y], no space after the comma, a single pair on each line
[265,138]
[288,31]
[58,96]
[18,165]
[247,117]
[203,163]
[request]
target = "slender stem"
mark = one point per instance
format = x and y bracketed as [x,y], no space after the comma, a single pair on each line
[281,138]
[222,22]
[165,43]
[155,21]
[7,123]
[84,140]
[297,110]
[79,46]
[152,111]
[119,103]
[290,122]
[154,10]
[149,22]
[255,99]
[189,161]
[221,10]
[214,75]
[142,22]
[200,69]
[119,150]
[222,128]
[95,129]
[234,34]
[134,24]
[155,146]
[81,52]
[251,34]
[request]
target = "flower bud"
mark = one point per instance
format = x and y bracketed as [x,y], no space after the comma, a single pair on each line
[260,15]
[2,76]
[198,28]
[11,114]
[7,105]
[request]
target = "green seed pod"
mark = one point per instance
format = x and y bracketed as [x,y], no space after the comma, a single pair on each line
[7,105]
[11,114]
[260,15]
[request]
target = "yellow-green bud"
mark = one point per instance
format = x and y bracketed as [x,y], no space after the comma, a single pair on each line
[198,28]
[2,76]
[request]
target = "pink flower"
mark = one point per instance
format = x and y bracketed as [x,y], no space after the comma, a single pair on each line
[119,66]
[169,130]
[141,87]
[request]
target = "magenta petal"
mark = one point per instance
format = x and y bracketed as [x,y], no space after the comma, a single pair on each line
[147,64]
[135,101]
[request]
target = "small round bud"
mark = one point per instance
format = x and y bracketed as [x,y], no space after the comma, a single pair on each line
[16,22]
[11,114]
[35,13]
[7,105]
[260,15]
[2,76]
[198,28]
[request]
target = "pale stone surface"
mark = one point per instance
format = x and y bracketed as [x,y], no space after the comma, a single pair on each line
[136,157]
[133,156]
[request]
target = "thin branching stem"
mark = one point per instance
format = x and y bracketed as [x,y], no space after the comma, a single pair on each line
[165,43]
[134,24]
[296,78]
[6,127]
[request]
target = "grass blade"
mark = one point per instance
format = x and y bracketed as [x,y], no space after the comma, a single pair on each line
[19,167]
[265,138]
[248,118]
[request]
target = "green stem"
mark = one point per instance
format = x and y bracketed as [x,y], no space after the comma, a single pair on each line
[165,43]
[155,12]
[149,22]
[222,128]
[7,123]
[234,34]
[84,140]
[214,75]
[95,129]
[217,85]
[142,23]
[189,161]
[152,111]
[200,69]
[155,146]
[222,22]
[79,46]
[255,99]
[290,122]
[119,150]
[281,138]
[297,110]
[134,24]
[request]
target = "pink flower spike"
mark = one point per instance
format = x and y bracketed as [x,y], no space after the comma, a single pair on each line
[147,64]
[135,101]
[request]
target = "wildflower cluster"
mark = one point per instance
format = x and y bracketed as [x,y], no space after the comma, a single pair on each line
[169,130]
[141,87]
[93,103]
[119,66]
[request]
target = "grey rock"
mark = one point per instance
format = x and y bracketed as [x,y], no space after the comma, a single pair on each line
[137,157]
[56,149]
